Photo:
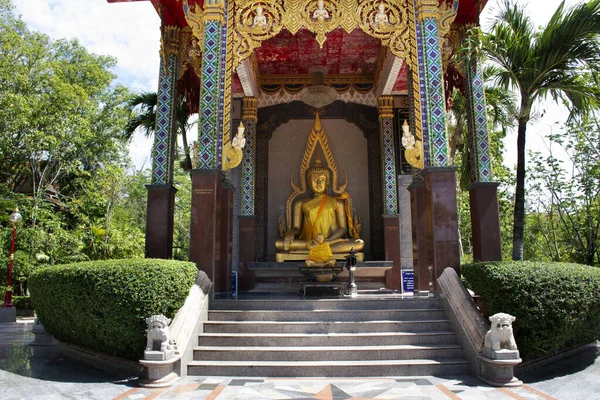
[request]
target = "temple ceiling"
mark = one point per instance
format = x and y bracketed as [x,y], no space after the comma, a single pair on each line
[349,57]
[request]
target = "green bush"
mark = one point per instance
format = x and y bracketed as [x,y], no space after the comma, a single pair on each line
[557,305]
[102,305]
[22,302]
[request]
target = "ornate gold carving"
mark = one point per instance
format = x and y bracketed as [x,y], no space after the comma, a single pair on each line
[416,156]
[195,19]
[249,36]
[386,106]
[169,44]
[447,16]
[317,137]
[394,33]
[231,157]
[427,9]
[214,10]
[445,13]
[190,52]
[250,108]
[319,18]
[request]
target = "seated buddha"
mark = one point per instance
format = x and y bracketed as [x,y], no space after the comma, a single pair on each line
[320,214]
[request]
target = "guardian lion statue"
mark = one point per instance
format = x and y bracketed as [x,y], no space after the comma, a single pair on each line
[159,334]
[500,336]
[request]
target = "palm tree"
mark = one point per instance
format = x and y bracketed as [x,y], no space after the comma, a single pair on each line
[541,63]
[145,119]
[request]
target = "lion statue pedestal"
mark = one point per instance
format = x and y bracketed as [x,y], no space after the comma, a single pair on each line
[159,357]
[500,354]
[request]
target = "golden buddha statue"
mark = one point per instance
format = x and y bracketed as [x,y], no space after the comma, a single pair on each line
[320,214]
[311,212]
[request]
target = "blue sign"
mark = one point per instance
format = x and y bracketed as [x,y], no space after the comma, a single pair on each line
[408,281]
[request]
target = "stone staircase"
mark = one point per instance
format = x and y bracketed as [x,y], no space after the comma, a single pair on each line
[326,338]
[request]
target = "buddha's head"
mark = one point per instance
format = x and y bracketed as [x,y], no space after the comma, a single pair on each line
[318,178]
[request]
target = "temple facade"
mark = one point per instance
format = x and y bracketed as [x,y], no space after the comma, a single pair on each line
[355,89]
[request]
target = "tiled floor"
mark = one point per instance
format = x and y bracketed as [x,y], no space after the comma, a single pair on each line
[43,371]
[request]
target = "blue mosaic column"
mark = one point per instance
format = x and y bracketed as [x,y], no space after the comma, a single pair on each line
[249,119]
[248,172]
[161,193]
[388,155]
[423,93]
[165,132]
[482,163]
[212,86]
[391,219]
[434,83]
[483,193]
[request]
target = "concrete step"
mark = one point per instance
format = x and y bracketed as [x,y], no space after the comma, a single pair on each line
[326,315]
[326,339]
[327,304]
[325,327]
[318,353]
[355,368]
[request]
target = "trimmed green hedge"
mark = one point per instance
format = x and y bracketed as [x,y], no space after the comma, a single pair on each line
[557,305]
[102,305]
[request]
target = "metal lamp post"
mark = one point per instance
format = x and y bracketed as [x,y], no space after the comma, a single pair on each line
[15,218]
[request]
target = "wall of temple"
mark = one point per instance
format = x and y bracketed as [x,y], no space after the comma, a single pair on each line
[286,148]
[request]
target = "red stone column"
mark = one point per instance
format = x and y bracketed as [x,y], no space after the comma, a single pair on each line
[159,221]
[485,221]
[224,244]
[442,218]
[247,254]
[391,228]
[210,235]
[421,251]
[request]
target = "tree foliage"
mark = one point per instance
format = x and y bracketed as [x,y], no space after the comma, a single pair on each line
[63,154]
[565,218]
[538,64]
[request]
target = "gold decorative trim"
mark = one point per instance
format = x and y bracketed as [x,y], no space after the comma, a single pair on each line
[250,108]
[427,9]
[169,44]
[415,156]
[214,10]
[306,79]
[386,106]
[231,157]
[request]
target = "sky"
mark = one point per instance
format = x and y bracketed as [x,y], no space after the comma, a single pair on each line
[130,32]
